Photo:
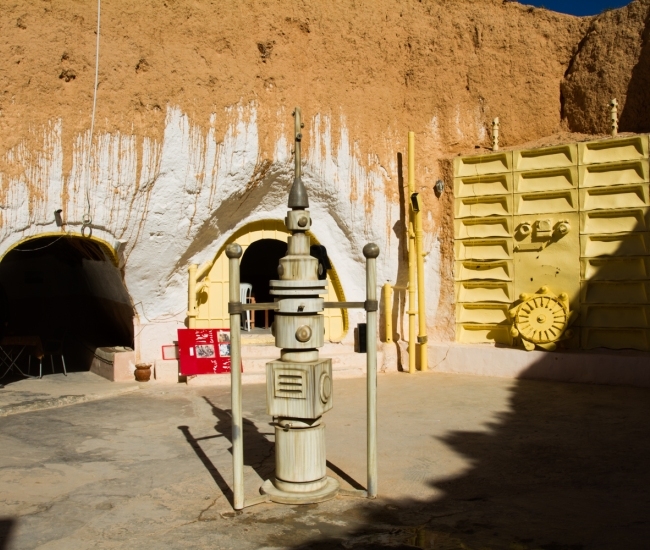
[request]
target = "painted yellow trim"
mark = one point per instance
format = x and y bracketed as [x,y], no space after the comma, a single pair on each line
[107,248]
[276,225]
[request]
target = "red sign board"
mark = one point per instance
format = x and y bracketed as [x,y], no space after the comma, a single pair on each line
[204,350]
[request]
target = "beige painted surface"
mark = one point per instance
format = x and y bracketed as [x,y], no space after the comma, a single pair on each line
[121,370]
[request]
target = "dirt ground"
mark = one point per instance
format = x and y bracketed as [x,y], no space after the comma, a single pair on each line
[464,463]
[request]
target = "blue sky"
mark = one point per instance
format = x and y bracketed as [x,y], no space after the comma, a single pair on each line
[577,7]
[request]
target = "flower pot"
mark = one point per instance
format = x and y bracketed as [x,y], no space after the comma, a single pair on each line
[143,372]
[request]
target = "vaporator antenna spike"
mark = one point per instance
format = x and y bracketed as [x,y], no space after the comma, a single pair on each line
[298,194]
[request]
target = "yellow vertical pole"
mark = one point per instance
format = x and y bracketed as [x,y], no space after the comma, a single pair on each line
[388,312]
[422,311]
[412,253]
[191,296]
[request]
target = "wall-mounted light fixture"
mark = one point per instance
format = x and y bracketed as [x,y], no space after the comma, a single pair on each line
[439,187]
[416,202]
[57,217]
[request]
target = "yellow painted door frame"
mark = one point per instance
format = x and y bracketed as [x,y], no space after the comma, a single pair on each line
[210,287]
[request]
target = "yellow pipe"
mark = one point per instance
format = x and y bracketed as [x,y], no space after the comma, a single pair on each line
[416,263]
[388,312]
[419,258]
[191,296]
[411,253]
[422,312]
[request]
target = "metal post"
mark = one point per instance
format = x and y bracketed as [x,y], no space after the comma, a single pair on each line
[371,251]
[613,114]
[416,212]
[388,313]
[234,252]
[495,134]
[412,310]
[191,296]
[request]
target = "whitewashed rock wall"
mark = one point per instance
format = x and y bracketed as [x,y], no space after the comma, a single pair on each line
[166,205]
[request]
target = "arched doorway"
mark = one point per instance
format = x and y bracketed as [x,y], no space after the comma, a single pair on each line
[259,265]
[212,303]
[68,292]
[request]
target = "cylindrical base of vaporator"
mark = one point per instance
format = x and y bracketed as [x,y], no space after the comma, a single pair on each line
[292,487]
[327,492]
[300,454]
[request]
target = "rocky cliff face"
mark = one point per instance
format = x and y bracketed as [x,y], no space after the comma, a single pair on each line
[193,130]
[612,61]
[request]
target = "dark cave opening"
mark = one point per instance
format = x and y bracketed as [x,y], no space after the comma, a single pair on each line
[67,292]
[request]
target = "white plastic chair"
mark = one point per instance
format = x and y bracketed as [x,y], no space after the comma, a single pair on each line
[245,294]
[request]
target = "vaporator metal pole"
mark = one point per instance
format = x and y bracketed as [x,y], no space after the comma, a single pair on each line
[234,252]
[388,312]
[371,251]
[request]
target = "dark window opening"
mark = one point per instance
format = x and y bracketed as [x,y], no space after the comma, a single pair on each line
[259,265]
[64,290]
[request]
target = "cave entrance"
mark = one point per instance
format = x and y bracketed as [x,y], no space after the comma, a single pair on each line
[259,265]
[67,292]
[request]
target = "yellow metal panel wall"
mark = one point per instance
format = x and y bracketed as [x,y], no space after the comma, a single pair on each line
[470,333]
[546,180]
[546,260]
[484,249]
[614,269]
[613,150]
[572,217]
[476,186]
[614,316]
[482,313]
[615,196]
[485,291]
[480,228]
[500,205]
[618,173]
[615,292]
[615,338]
[479,165]
[558,156]
[615,221]
[553,202]
[616,244]
[502,270]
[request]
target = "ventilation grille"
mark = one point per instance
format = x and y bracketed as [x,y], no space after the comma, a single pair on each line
[290,384]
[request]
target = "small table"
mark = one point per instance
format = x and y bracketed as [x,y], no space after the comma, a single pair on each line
[7,358]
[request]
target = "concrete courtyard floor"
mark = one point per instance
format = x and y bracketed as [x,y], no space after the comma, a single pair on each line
[464,462]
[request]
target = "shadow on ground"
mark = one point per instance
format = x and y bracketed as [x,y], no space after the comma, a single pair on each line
[567,468]
[258,450]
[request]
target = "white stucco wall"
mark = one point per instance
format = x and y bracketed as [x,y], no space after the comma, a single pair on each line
[164,205]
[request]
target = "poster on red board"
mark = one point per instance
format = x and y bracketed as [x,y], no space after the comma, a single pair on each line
[204,351]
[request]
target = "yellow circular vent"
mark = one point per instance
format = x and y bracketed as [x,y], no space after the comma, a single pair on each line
[541,319]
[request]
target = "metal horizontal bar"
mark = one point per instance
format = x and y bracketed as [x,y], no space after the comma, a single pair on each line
[262,306]
[344,305]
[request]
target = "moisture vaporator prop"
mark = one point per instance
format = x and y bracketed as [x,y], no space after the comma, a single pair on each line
[299,385]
